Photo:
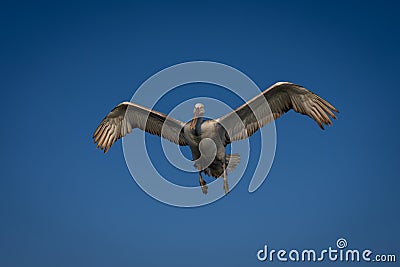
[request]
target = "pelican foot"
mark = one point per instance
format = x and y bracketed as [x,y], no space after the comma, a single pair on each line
[226,187]
[203,185]
[204,188]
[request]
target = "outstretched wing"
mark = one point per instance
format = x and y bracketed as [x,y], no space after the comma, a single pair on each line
[281,97]
[127,116]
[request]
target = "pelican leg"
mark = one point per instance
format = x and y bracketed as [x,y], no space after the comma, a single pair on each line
[226,187]
[203,185]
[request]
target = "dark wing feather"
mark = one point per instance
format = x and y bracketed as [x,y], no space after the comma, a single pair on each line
[127,116]
[281,97]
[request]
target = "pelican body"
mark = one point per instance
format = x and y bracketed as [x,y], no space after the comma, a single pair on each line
[197,130]
[204,135]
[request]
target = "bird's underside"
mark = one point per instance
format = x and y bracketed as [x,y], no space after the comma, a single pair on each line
[236,125]
[217,169]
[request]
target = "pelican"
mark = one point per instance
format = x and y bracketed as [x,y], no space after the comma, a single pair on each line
[236,125]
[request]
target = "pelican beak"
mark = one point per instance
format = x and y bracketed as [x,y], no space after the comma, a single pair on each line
[195,117]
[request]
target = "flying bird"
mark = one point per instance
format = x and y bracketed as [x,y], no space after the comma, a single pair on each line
[236,125]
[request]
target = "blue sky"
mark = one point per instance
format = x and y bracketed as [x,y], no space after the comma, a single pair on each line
[65,65]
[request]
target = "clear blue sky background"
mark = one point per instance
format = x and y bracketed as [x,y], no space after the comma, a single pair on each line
[65,65]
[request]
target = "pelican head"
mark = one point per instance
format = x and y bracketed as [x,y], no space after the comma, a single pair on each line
[198,113]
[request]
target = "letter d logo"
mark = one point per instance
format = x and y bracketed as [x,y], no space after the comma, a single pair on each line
[262,254]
